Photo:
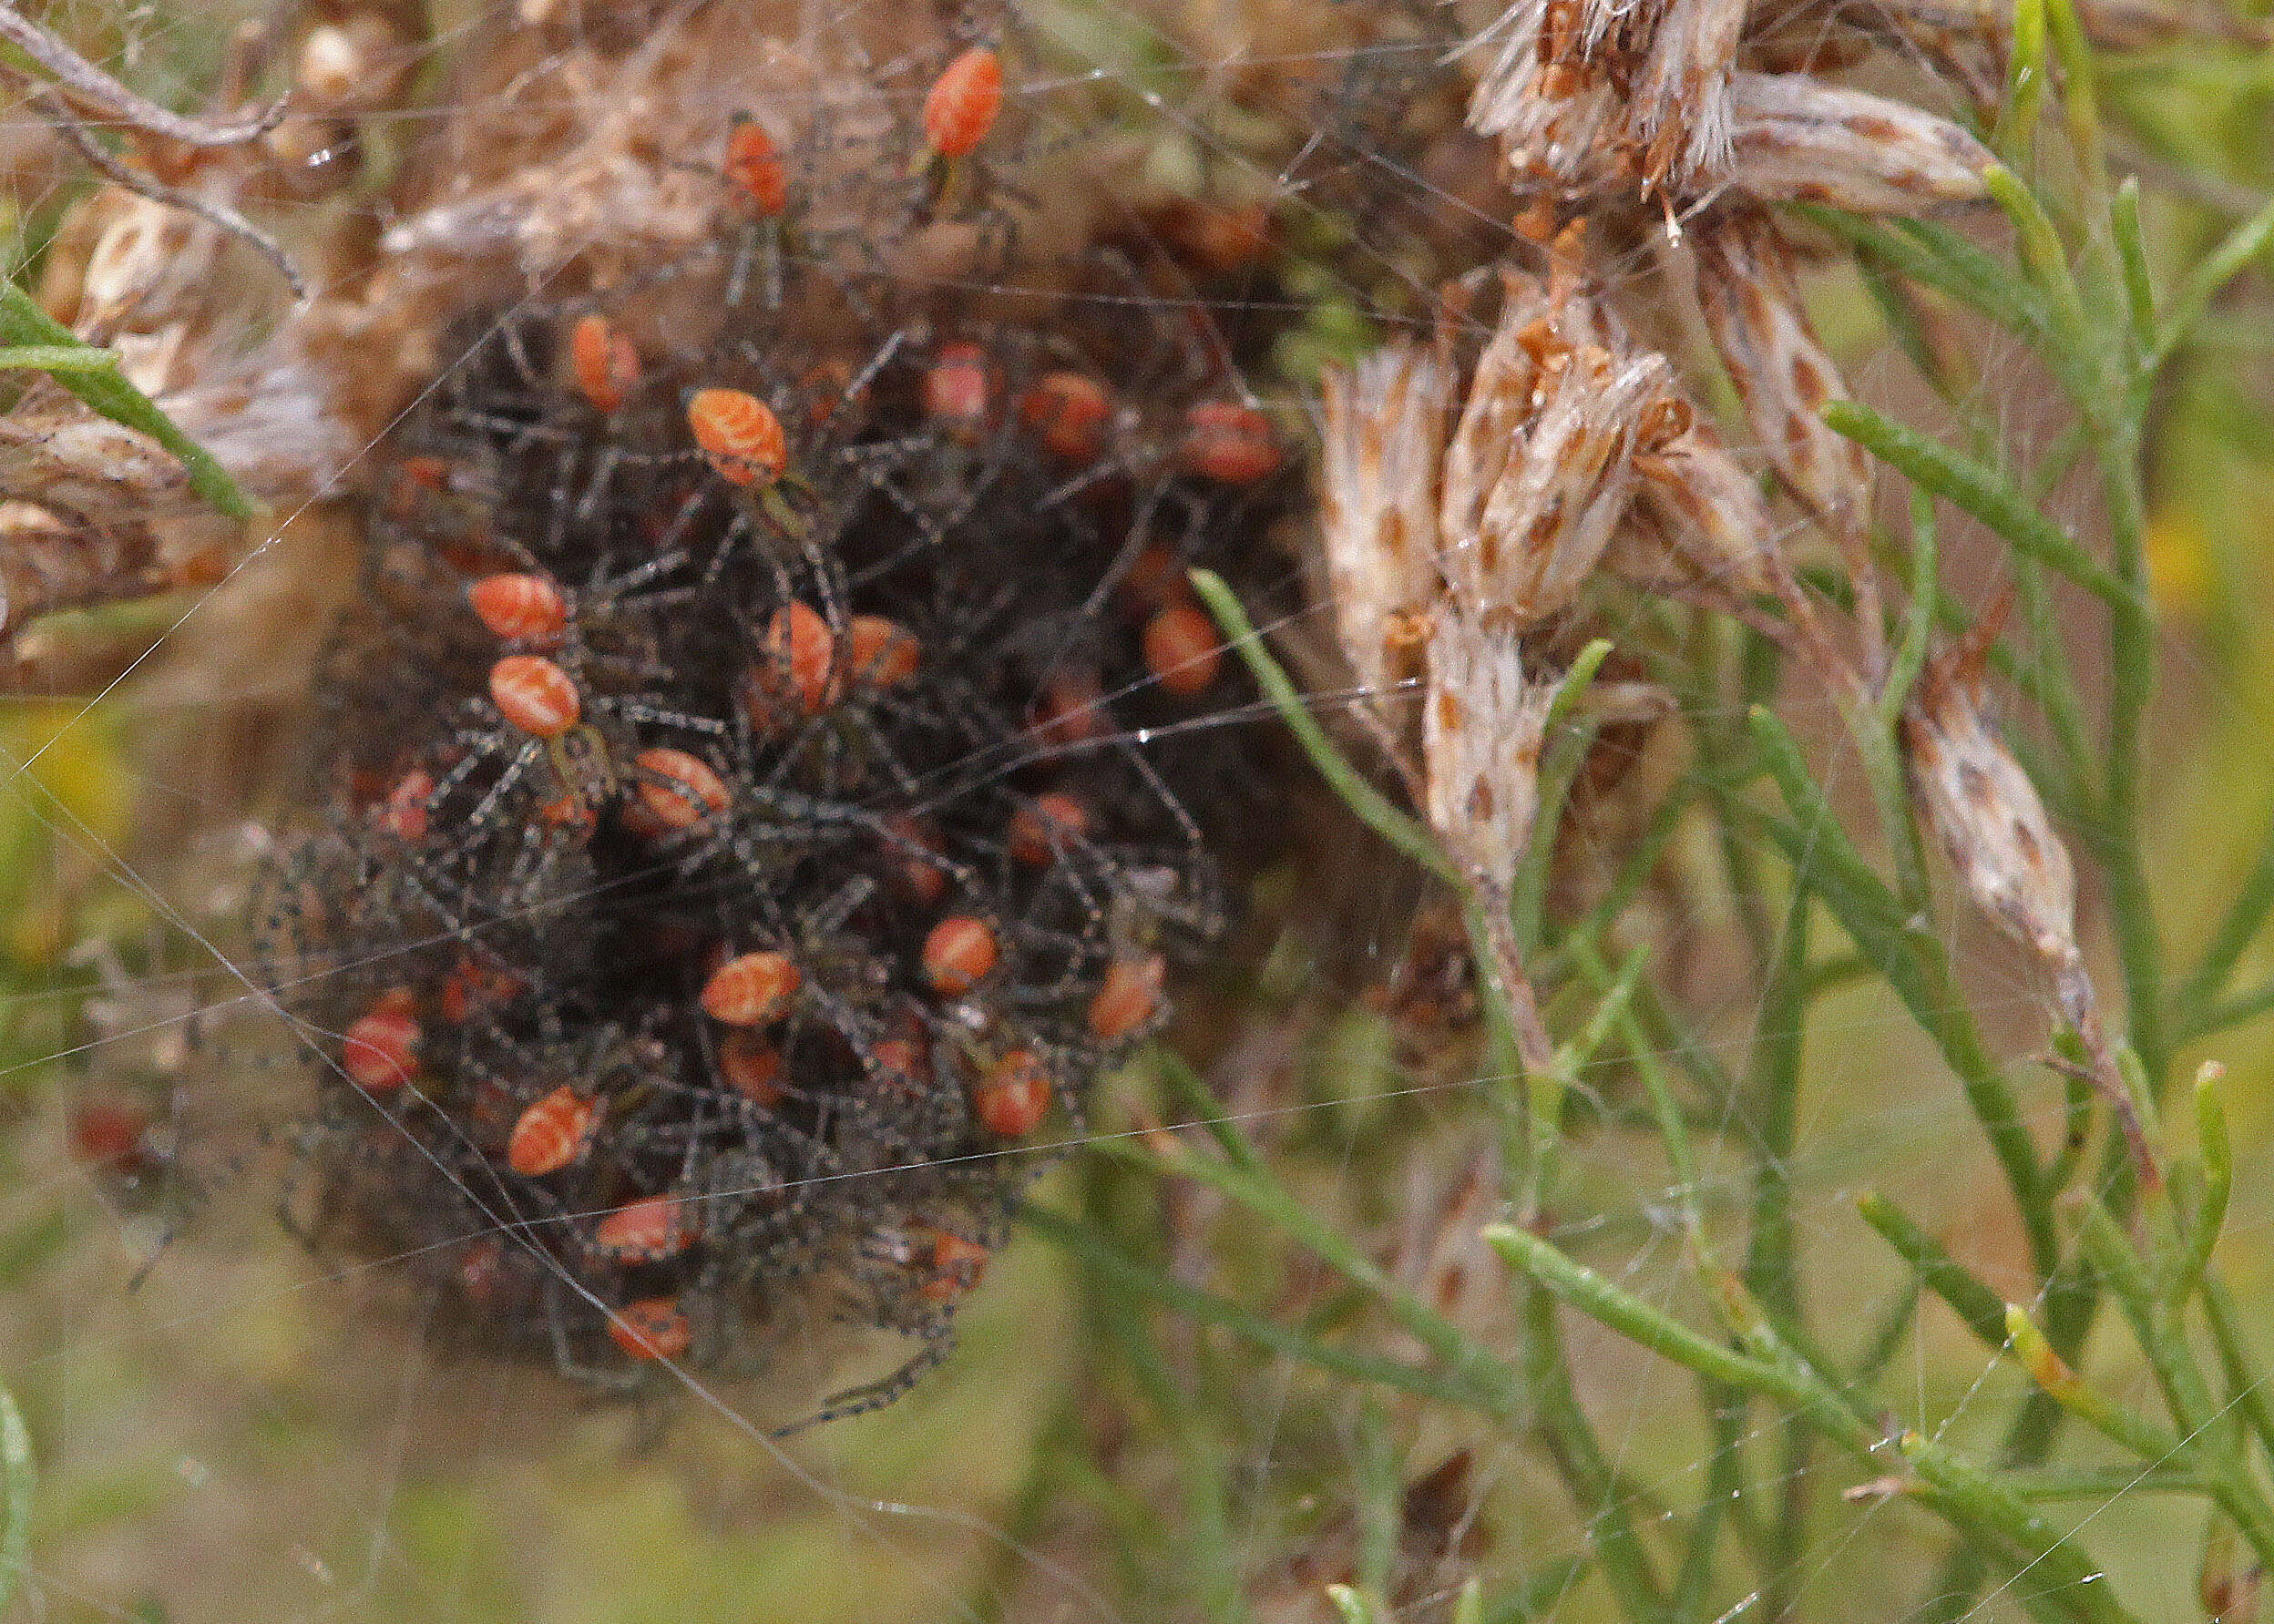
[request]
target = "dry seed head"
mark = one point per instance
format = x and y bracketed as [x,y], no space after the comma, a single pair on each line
[1602,93]
[1751,298]
[1480,738]
[1987,813]
[1700,505]
[1539,474]
[1794,137]
[1385,423]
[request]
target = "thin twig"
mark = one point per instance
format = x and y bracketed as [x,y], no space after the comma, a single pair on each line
[67,123]
[80,81]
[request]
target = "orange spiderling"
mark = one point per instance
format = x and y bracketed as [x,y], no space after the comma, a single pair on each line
[606,365]
[680,791]
[1068,412]
[964,102]
[1042,832]
[740,435]
[751,989]
[881,652]
[1128,997]
[959,392]
[646,1230]
[551,1134]
[1230,443]
[380,1053]
[754,165]
[957,1265]
[753,1068]
[958,954]
[1014,1096]
[535,695]
[521,608]
[403,814]
[1182,651]
[798,669]
[650,1328]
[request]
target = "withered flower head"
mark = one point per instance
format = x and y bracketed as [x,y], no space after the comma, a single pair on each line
[1480,740]
[1751,298]
[1538,473]
[1590,93]
[1701,510]
[1384,436]
[1794,136]
[1644,100]
[1986,812]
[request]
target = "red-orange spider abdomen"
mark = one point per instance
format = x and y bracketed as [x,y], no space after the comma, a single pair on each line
[957,1265]
[678,791]
[522,608]
[381,1049]
[1070,710]
[1068,412]
[753,1068]
[1182,651]
[1045,830]
[740,435]
[535,695]
[957,954]
[651,1328]
[404,813]
[751,989]
[604,361]
[797,668]
[646,1230]
[1230,443]
[551,1134]
[755,166]
[1128,998]
[1014,1096]
[959,392]
[881,652]
[964,102]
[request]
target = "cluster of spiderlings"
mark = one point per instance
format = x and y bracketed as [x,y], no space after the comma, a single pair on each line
[764,786]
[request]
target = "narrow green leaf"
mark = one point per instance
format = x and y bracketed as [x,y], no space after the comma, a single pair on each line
[23,323]
[2139,284]
[2245,243]
[2025,80]
[1988,495]
[1941,259]
[1127,1275]
[1974,1302]
[1373,808]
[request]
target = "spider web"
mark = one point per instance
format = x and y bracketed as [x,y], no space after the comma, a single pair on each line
[230,1427]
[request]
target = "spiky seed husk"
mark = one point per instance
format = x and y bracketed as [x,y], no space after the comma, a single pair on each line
[1378,462]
